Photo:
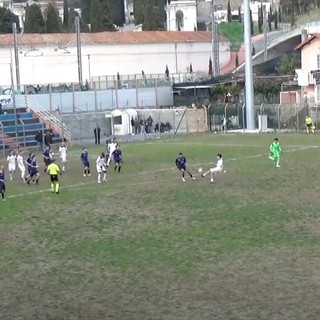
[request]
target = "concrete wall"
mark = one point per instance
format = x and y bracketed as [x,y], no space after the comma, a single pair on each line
[87,101]
[185,120]
[49,64]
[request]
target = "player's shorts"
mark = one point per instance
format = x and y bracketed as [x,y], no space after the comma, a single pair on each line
[33,173]
[47,162]
[215,170]
[54,178]
[182,168]
[117,161]
[11,167]
[309,125]
[86,164]
[101,169]
[2,186]
[22,168]
[64,159]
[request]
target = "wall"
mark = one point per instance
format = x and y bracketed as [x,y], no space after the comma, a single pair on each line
[185,120]
[52,65]
[86,101]
[309,55]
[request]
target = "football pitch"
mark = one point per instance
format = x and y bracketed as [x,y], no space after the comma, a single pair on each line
[145,245]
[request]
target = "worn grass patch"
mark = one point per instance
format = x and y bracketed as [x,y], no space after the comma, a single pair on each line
[147,246]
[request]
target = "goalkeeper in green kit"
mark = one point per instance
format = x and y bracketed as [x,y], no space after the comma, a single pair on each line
[275,150]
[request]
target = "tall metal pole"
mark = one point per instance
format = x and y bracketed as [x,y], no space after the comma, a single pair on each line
[265,31]
[89,68]
[16,54]
[250,113]
[215,42]
[13,96]
[79,55]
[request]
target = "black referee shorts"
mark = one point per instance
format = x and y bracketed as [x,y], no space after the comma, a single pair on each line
[54,178]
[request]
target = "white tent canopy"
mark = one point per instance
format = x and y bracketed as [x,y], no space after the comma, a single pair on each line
[121,121]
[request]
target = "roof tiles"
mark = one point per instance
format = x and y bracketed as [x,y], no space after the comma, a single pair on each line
[109,38]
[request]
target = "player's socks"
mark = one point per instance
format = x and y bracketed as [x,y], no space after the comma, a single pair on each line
[37,181]
[63,168]
[57,187]
[115,168]
[88,170]
[211,181]
[52,187]
[2,195]
[104,177]
[119,169]
[99,177]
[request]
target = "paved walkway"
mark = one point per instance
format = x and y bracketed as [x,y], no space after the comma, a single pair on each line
[231,65]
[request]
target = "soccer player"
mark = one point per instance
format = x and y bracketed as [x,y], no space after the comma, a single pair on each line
[275,150]
[21,166]
[34,174]
[63,156]
[11,164]
[85,161]
[47,156]
[53,170]
[181,165]
[309,125]
[117,157]
[112,147]
[215,170]
[101,167]
[2,183]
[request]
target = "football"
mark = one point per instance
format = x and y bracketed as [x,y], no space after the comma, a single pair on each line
[200,170]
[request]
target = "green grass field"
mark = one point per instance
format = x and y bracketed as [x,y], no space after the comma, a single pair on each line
[147,246]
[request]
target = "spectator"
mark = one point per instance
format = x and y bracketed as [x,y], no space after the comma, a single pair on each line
[162,126]
[97,132]
[1,111]
[47,138]
[51,136]
[149,124]
[141,125]
[168,127]
[156,127]
[137,125]
[39,138]
[132,126]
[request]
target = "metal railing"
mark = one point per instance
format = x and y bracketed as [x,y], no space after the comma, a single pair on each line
[2,137]
[24,132]
[49,119]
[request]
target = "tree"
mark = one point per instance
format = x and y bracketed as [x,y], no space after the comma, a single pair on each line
[52,21]
[229,13]
[6,20]
[275,19]
[260,19]
[293,20]
[280,15]
[147,10]
[239,15]
[210,67]
[85,6]
[65,14]
[116,10]
[148,23]
[287,66]
[237,60]
[167,73]
[71,23]
[190,68]
[269,22]
[100,16]
[251,23]
[34,22]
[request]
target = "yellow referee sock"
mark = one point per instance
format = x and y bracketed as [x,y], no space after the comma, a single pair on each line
[57,187]
[52,187]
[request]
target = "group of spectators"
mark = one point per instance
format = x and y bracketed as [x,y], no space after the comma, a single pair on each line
[140,126]
[47,139]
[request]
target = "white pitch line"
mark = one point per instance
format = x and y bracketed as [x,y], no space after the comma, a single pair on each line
[155,171]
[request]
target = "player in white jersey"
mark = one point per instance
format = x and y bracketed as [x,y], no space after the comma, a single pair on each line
[63,156]
[101,167]
[21,165]
[11,164]
[217,169]
[112,147]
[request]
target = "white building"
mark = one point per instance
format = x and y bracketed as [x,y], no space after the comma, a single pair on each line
[52,58]
[182,15]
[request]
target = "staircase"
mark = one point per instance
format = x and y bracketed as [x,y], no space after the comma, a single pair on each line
[46,117]
[19,127]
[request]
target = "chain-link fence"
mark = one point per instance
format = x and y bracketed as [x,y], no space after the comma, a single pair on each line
[135,124]
[278,117]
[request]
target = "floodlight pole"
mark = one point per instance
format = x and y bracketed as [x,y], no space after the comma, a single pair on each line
[250,114]
[16,54]
[215,42]
[79,55]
